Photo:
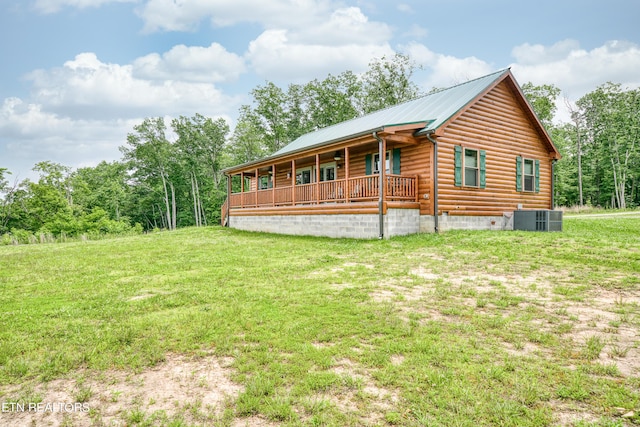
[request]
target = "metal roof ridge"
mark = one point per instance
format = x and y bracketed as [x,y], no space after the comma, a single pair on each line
[431,120]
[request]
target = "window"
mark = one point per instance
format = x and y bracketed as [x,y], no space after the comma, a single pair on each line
[264,182]
[303,176]
[328,172]
[376,163]
[392,162]
[469,167]
[308,175]
[527,175]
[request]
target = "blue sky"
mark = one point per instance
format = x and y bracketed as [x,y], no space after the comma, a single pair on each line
[77,75]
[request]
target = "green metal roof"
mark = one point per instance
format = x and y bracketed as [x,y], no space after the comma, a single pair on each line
[434,109]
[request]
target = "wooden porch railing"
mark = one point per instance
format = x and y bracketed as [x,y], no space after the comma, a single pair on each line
[362,188]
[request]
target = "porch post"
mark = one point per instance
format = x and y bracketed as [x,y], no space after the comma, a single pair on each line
[346,174]
[273,184]
[317,178]
[383,172]
[293,182]
[382,148]
[242,189]
[228,198]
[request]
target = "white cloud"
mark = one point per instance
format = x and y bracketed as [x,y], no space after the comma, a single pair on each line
[346,40]
[195,64]
[416,32]
[30,135]
[445,70]
[186,15]
[527,54]
[577,71]
[273,56]
[80,113]
[87,88]
[344,26]
[53,6]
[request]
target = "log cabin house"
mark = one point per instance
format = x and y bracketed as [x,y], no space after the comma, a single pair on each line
[463,157]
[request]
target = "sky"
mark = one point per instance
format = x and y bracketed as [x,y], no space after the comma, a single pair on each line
[77,75]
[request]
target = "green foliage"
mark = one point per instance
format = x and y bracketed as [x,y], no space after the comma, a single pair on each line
[600,163]
[611,118]
[388,82]
[543,100]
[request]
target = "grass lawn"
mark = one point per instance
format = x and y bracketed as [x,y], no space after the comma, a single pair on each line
[213,326]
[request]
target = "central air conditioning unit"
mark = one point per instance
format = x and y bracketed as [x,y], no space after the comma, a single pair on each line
[537,220]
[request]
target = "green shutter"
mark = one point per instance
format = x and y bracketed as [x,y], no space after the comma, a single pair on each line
[367,164]
[518,173]
[483,169]
[458,166]
[537,172]
[396,161]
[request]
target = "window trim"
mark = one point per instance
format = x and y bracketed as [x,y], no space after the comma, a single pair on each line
[465,167]
[323,171]
[267,182]
[531,182]
[393,162]
[374,163]
[521,176]
[460,167]
[300,172]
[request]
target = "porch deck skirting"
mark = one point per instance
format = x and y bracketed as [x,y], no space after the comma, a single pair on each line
[362,222]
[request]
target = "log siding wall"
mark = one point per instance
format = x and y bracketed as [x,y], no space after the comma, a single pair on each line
[498,124]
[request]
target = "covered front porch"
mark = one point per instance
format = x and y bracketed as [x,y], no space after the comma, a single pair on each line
[350,190]
[354,181]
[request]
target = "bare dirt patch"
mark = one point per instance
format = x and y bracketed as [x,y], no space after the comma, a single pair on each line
[380,399]
[582,319]
[194,389]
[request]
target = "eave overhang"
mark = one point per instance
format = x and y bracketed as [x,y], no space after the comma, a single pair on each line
[400,133]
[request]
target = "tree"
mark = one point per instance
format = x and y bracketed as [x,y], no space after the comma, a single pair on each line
[247,142]
[332,100]
[578,120]
[543,100]
[104,186]
[388,82]
[7,193]
[201,143]
[612,116]
[272,117]
[151,155]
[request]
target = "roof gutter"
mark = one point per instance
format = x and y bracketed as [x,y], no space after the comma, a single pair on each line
[435,178]
[381,187]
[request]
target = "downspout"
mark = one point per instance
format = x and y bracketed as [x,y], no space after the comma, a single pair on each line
[553,184]
[228,200]
[435,179]
[381,189]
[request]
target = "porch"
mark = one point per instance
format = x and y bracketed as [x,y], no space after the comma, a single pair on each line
[352,190]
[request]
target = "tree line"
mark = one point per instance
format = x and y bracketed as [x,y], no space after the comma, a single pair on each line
[165,182]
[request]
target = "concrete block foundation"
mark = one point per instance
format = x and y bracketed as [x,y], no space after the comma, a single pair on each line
[397,222]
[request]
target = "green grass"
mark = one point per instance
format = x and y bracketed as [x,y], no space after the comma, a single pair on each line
[482,322]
